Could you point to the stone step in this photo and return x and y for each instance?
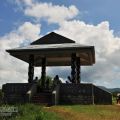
(42, 98)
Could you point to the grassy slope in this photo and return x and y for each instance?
(75, 112)
(34, 112)
(88, 112)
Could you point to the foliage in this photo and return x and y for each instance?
(114, 97)
(50, 80)
(47, 78)
(115, 93)
(34, 112)
(69, 112)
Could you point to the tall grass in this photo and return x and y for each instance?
(91, 112)
(33, 112)
(69, 112)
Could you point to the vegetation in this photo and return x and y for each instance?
(33, 112)
(48, 78)
(88, 112)
(73, 112)
(67, 112)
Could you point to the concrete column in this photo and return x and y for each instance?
(78, 70)
(31, 69)
(73, 67)
(43, 72)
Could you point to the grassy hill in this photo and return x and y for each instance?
(73, 112)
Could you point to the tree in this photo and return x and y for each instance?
(48, 78)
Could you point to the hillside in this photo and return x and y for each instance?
(110, 89)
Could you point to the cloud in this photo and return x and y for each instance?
(107, 48)
(12, 69)
(26, 31)
(48, 11)
(29, 30)
(100, 35)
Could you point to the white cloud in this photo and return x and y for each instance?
(48, 11)
(107, 48)
(53, 13)
(100, 35)
(12, 69)
(29, 30)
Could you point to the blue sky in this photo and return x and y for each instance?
(91, 22)
(92, 12)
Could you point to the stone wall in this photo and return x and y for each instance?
(66, 94)
(76, 94)
(102, 96)
(16, 92)
(83, 94)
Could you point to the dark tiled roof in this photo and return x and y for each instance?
(52, 38)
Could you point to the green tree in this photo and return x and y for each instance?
(47, 78)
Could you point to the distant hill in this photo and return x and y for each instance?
(114, 89)
(110, 89)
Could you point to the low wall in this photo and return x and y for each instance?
(83, 94)
(16, 92)
(76, 94)
(102, 96)
(63, 94)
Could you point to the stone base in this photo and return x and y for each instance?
(83, 94)
(16, 92)
(62, 94)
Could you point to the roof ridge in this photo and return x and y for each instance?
(52, 38)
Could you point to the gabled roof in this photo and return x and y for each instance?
(52, 38)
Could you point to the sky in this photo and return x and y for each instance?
(89, 22)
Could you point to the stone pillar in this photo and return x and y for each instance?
(78, 76)
(31, 69)
(73, 68)
(43, 72)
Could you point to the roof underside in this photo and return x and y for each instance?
(56, 54)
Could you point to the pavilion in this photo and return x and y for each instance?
(56, 50)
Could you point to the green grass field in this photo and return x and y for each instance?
(74, 112)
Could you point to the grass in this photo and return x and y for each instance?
(68, 112)
(88, 112)
(34, 112)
